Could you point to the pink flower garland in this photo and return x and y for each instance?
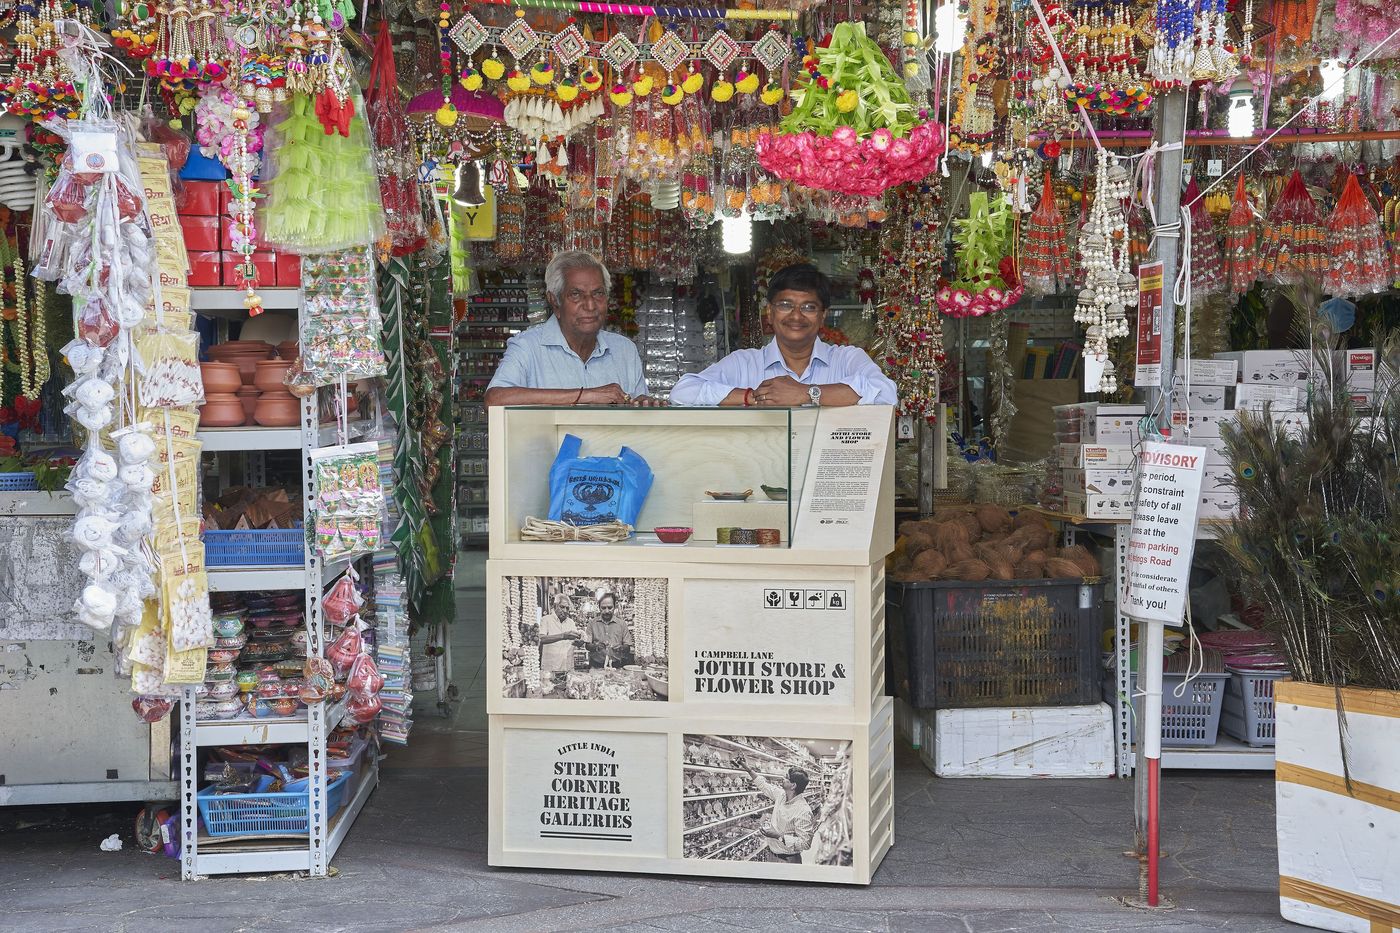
(845, 163)
(959, 302)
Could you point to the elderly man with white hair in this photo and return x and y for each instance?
(570, 359)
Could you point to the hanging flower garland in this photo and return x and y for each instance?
(854, 129)
(1357, 260)
(987, 277)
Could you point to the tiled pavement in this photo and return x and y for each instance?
(969, 856)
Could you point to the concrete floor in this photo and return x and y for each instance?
(969, 856)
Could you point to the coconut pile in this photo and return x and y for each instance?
(985, 542)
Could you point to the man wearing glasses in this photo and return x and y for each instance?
(797, 367)
(570, 359)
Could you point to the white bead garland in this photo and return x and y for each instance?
(1109, 286)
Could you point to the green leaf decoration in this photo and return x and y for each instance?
(852, 62)
(983, 239)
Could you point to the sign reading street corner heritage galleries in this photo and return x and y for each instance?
(761, 642)
(586, 792)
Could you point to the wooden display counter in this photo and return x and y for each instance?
(699, 709)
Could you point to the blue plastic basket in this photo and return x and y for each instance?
(18, 482)
(269, 547)
(277, 814)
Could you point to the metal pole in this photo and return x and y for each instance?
(1169, 129)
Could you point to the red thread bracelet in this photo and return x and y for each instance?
(748, 393)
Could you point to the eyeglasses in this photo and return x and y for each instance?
(578, 296)
(785, 306)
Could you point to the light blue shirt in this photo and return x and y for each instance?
(745, 369)
(540, 358)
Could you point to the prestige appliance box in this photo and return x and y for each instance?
(1271, 367)
(1275, 398)
(1097, 456)
(1216, 372)
(1111, 424)
(1098, 505)
(1105, 482)
(1206, 397)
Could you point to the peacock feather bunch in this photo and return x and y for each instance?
(1317, 542)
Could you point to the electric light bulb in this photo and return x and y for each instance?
(736, 234)
(1241, 117)
(948, 29)
(1333, 78)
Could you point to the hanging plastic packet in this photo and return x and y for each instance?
(342, 331)
(592, 490)
(349, 501)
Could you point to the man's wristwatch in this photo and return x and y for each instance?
(815, 394)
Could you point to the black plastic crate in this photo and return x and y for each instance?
(955, 645)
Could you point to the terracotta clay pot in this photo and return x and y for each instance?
(221, 410)
(268, 377)
(288, 349)
(259, 348)
(220, 378)
(275, 411)
(248, 395)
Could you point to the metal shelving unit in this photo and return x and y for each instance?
(202, 855)
(508, 308)
(1227, 753)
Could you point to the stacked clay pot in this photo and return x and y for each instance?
(276, 407)
(221, 407)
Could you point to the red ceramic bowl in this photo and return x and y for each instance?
(673, 534)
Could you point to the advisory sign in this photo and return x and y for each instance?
(1163, 534)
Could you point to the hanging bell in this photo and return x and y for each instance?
(467, 191)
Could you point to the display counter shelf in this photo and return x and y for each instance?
(228, 302)
(776, 653)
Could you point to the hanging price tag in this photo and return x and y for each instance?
(1215, 167)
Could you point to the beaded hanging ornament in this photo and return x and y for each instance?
(1294, 238)
(1358, 262)
(1106, 61)
(909, 326)
(1207, 267)
(1045, 258)
(1109, 286)
(1242, 263)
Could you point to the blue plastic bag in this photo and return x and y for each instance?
(591, 490)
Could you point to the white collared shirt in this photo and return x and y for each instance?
(745, 369)
(540, 358)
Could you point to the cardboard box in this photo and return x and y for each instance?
(1111, 424)
(1271, 367)
(1098, 505)
(1097, 456)
(1042, 741)
(288, 269)
(1276, 398)
(201, 233)
(1216, 372)
(1195, 426)
(205, 269)
(1218, 477)
(1211, 398)
(200, 198)
(1217, 505)
(1100, 482)
(232, 269)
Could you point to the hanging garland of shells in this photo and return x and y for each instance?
(1109, 285)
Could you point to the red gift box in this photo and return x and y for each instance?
(204, 270)
(288, 270)
(201, 233)
(264, 261)
(201, 198)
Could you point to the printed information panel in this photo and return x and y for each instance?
(841, 488)
(585, 792)
(766, 641)
(1163, 535)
